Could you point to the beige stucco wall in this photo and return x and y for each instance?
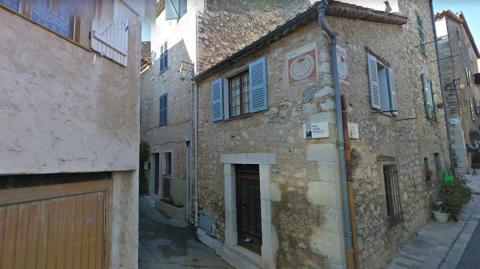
(66, 109)
(306, 212)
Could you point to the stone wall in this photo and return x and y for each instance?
(306, 214)
(219, 26)
(408, 137)
(305, 190)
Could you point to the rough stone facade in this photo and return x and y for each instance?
(457, 54)
(304, 184)
(66, 109)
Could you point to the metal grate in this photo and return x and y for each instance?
(392, 191)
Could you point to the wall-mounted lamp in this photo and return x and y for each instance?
(185, 70)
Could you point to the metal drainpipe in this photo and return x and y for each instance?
(195, 92)
(321, 8)
(442, 90)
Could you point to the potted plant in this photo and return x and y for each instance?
(454, 195)
(441, 213)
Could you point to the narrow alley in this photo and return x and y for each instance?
(170, 244)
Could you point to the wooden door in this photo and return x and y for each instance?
(55, 227)
(249, 218)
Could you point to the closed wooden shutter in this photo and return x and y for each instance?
(393, 91)
(217, 100)
(421, 35)
(258, 85)
(163, 109)
(433, 109)
(172, 9)
(426, 97)
(373, 82)
(110, 37)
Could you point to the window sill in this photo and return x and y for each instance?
(162, 125)
(163, 71)
(244, 116)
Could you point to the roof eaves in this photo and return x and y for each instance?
(336, 9)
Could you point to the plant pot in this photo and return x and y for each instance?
(441, 217)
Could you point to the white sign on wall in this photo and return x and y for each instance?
(342, 65)
(315, 130)
(353, 132)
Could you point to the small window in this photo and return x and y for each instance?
(167, 176)
(163, 58)
(459, 40)
(392, 194)
(468, 76)
(421, 35)
(238, 94)
(163, 109)
(427, 171)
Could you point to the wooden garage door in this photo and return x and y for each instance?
(54, 227)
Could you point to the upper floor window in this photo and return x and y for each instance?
(238, 93)
(459, 39)
(175, 9)
(468, 76)
(421, 35)
(163, 57)
(163, 109)
(428, 172)
(428, 97)
(383, 95)
(243, 93)
(57, 16)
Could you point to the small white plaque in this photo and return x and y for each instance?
(316, 130)
(453, 121)
(353, 132)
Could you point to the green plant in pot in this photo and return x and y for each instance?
(454, 195)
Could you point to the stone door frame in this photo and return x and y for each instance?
(269, 245)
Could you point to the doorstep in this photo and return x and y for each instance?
(438, 245)
(171, 210)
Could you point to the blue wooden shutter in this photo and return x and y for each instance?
(217, 99)
(373, 82)
(163, 109)
(393, 91)
(258, 88)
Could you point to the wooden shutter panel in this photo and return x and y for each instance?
(171, 9)
(110, 37)
(258, 95)
(163, 109)
(373, 82)
(217, 99)
(421, 35)
(426, 98)
(433, 109)
(393, 91)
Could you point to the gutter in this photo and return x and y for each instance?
(442, 89)
(349, 250)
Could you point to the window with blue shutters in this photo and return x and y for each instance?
(217, 99)
(175, 9)
(163, 109)
(258, 85)
(427, 97)
(381, 82)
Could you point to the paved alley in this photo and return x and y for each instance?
(446, 246)
(169, 244)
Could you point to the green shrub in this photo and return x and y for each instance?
(455, 195)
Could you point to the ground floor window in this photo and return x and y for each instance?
(392, 194)
(249, 219)
(167, 175)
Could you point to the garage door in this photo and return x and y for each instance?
(55, 227)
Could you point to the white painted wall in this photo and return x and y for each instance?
(173, 31)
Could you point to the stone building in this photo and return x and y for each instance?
(458, 57)
(69, 140)
(191, 36)
(271, 189)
